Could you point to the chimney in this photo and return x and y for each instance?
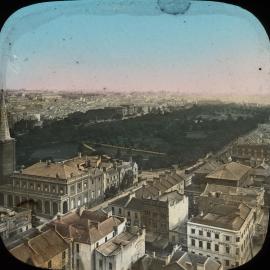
(201, 213)
(59, 217)
(154, 254)
(79, 154)
(81, 209)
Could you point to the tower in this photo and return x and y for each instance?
(7, 145)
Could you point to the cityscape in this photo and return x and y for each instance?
(134, 135)
(100, 208)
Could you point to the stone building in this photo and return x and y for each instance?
(165, 182)
(253, 148)
(86, 230)
(46, 250)
(14, 221)
(224, 233)
(7, 145)
(252, 196)
(159, 216)
(122, 251)
(118, 171)
(54, 187)
(230, 174)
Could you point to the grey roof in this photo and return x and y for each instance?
(226, 216)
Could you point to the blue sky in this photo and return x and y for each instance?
(213, 48)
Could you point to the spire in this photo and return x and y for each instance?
(4, 128)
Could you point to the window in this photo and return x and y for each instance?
(110, 266)
(216, 235)
(64, 255)
(208, 234)
(200, 232)
(193, 242)
(128, 213)
(77, 247)
(136, 215)
(227, 238)
(200, 244)
(237, 251)
(78, 263)
(105, 239)
(112, 210)
(120, 211)
(193, 231)
(100, 264)
(97, 244)
(237, 239)
(49, 264)
(227, 262)
(228, 250)
(208, 245)
(216, 247)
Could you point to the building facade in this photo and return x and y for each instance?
(121, 252)
(14, 221)
(223, 233)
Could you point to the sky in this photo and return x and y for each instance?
(213, 48)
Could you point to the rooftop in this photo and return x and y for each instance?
(115, 245)
(231, 171)
(41, 248)
(86, 226)
(225, 216)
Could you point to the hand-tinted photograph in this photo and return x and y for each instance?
(134, 135)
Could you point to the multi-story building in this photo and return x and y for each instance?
(224, 233)
(159, 216)
(117, 172)
(54, 187)
(165, 182)
(14, 221)
(86, 230)
(46, 250)
(252, 196)
(253, 148)
(122, 251)
(230, 174)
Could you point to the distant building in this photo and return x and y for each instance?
(87, 230)
(230, 174)
(224, 233)
(122, 251)
(254, 147)
(14, 221)
(47, 250)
